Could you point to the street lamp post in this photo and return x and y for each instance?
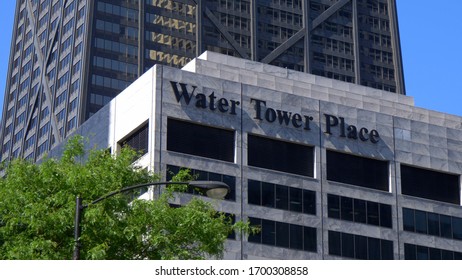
(212, 189)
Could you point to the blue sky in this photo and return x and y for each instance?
(431, 42)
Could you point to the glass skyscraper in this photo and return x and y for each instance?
(71, 57)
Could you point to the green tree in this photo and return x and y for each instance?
(37, 207)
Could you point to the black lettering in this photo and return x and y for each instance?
(258, 107)
(223, 105)
(307, 122)
(212, 101)
(352, 132)
(374, 136)
(331, 121)
(270, 115)
(284, 116)
(234, 103)
(342, 127)
(364, 134)
(184, 92)
(297, 120)
(201, 101)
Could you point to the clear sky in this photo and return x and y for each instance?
(431, 42)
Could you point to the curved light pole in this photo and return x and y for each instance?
(212, 189)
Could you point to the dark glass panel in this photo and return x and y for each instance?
(201, 175)
(139, 140)
(296, 237)
(268, 195)
(348, 249)
(447, 255)
(360, 215)
(420, 222)
(355, 170)
(410, 252)
(309, 239)
(457, 256)
(256, 237)
(360, 247)
(430, 184)
(215, 177)
(457, 228)
(335, 247)
(295, 200)
(386, 247)
(280, 155)
(309, 202)
(231, 182)
(254, 195)
(385, 215)
(433, 224)
(268, 232)
(333, 206)
(445, 226)
(422, 253)
(282, 197)
(172, 171)
(408, 219)
(200, 140)
(373, 248)
(373, 213)
(346, 205)
(282, 237)
(435, 254)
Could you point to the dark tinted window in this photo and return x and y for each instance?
(138, 140)
(432, 223)
(335, 243)
(346, 208)
(200, 140)
(408, 219)
(281, 197)
(284, 235)
(359, 211)
(420, 221)
(445, 226)
(333, 206)
(280, 155)
(206, 176)
(457, 228)
(359, 247)
(355, 170)
(429, 184)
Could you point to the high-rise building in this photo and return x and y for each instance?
(71, 57)
(327, 169)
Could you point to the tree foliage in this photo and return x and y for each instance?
(37, 208)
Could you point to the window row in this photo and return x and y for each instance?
(279, 155)
(432, 224)
(281, 197)
(138, 140)
(359, 247)
(128, 50)
(130, 14)
(416, 252)
(115, 65)
(359, 211)
(201, 175)
(109, 82)
(284, 235)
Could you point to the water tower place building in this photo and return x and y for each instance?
(328, 169)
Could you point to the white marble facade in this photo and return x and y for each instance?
(407, 134)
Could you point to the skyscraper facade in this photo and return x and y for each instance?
(71, 57)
